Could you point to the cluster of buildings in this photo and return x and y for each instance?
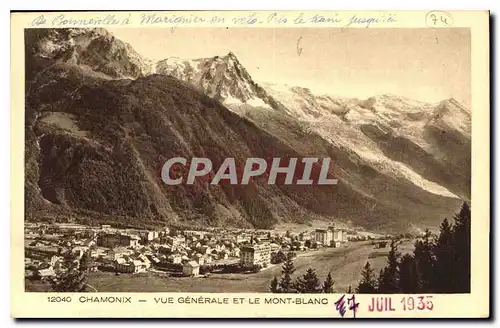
(56, 247)
(260, 254)
(330, 237)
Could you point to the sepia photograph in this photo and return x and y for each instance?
(257, 160)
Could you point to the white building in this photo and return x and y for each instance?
(235, 252)
(340, 235)
(176, 258)
(255, 255)
(323, 236)
(127, 265)
(199, 258)
(149, 236)
(191, 269)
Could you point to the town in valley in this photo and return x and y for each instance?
(53, 248)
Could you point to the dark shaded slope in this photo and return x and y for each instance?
(109, 162)
(95, 147)
(364, 195)
(132, 127)
(451, 173)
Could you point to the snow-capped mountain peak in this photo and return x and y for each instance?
(220, 77)
(95, 49)
(450, 114)
(398, 160)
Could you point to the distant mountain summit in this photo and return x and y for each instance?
(423, 144)
(222, 78)
(96, 50)
(101, 120)
(428, 144)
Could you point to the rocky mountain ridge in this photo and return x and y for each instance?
(101, 120)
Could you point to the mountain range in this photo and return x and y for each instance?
(101, 120)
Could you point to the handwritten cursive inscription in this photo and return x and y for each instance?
(40, 20)
(250, 19)
(438, 18)
(343, 304)
(331, 19)
(274, 18)
(154, 19)
(177, 19)
(367, 21)
(62, 20)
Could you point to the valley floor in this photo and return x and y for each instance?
(345, 265)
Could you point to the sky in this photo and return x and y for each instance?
(423, 64)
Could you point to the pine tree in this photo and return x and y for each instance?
(274, 285)
(368, 283)
(86, 262)
(424, 258)
(408, 275)
(286, 283)
(389, 279)
(308, 283)
(462, 249)
(328, 284)
(444, 259)
(71, 281)
(380, 275)
(278, 257)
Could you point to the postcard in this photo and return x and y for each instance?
(237, 164)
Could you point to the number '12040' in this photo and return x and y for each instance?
(421, 303)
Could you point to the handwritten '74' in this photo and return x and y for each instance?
(342, 307)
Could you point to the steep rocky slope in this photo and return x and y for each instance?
(95, 147)
(222, 78)
(99, 128)
(426, 144)
(95, 50)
